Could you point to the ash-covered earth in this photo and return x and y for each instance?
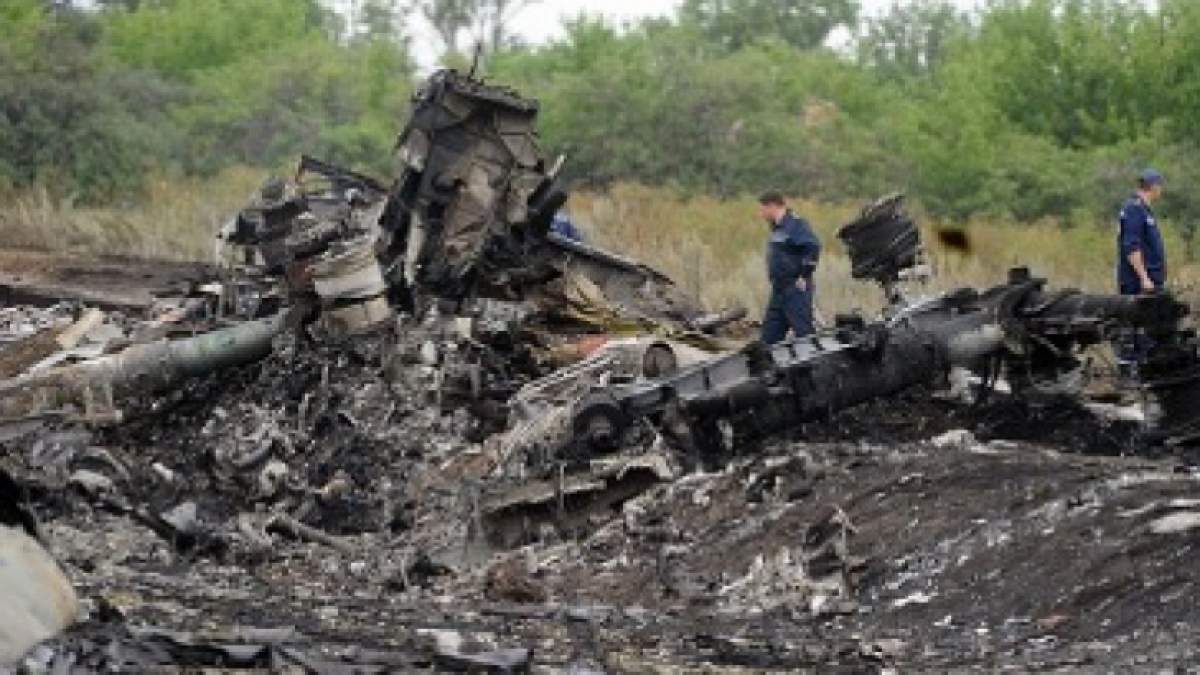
(315, 512)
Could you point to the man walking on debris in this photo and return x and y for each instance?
(1141, 256)
(1141, 263)
(792, 254)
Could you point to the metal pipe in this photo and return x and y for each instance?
(153, 366)
(164, 363)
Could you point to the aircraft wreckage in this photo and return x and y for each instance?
(1018, 330)
(587, 377)
(464, 231)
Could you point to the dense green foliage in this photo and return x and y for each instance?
(734, 24)
(1025, 109)
(91, 100)
(1028, 109)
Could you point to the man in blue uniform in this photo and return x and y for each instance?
(562, 226)
(1141, 260)
(792, 254)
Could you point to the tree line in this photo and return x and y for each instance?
(1023, 108)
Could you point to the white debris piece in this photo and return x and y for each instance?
(1176, 522)
(917, 598)
(955, 438)
(36, 599)
(1116, 413)
(271, 478)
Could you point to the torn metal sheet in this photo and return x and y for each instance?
(29, 352)
(473, 185)
(570, 503)
(110, 283)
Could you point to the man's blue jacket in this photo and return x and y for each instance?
(792, 251)
(1139, 232)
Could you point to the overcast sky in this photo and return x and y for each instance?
(543, 21)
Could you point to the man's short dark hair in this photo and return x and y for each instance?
(774, 197)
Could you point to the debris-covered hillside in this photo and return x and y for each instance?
(307, 510)
(412, 427)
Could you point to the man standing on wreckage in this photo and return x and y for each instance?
(792, 254)
(1141, 259)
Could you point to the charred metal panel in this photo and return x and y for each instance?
(474, 188)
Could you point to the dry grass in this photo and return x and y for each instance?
(173, 219)
(715, 248)
(712, 247)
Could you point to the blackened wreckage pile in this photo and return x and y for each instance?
(409, 427)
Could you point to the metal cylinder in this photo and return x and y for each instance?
(968, 347)
(352, 274)
(152, 366)
(351, 287)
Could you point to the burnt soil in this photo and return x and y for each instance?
(1036, 542)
